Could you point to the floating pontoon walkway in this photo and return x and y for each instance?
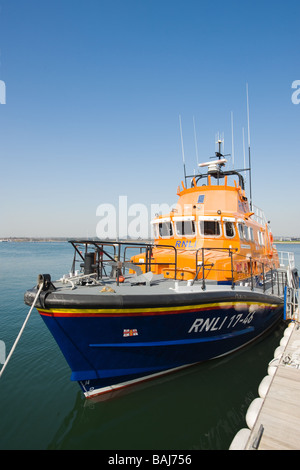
(277, 424)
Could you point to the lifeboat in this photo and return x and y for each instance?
(208, 284)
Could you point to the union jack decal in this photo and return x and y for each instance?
(131, 332)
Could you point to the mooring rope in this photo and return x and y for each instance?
(21, 330)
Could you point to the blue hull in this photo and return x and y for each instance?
(110, 350)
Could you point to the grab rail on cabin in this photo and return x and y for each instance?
(273, 280)
(148, 261)
(203, 265)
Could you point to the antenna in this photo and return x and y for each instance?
(232, 141)
(196, 145)
(182, 149)
(244, 148)
(249, 147)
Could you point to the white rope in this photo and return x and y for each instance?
(21, 331)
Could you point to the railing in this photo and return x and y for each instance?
(272, 280)
(97, 260)
(114, 254)
(286, 259)
(291, 304)
(259, 215)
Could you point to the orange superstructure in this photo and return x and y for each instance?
(212, 233)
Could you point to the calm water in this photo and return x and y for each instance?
(40, 408)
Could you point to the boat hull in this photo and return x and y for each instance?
(109, 348)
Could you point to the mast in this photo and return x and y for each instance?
(244, 153)
(232, 140)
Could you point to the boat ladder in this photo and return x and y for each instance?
(291, 304)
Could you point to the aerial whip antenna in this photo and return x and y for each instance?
(196, 145)
(182, 149)
(249, 147)
(244, 148)
(232, 141)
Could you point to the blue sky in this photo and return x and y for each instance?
(94, 91)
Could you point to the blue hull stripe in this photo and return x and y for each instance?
(174, 342)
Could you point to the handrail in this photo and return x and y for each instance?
(291, 303)
(99, 246)
(266, 278)
(211, 264)
(286, 259)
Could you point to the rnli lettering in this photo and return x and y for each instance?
(186, 244)
(216, 323)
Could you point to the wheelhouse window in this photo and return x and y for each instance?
(185, 226)
(210, 227)
(261, 238)
(241, 231)
(229, 227)
(165, 229)
(162, 228)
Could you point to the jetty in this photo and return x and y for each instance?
(279, 418)
(273, 419)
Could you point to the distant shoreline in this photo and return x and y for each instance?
(64, 239)
(34, 240)
(287, 242)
